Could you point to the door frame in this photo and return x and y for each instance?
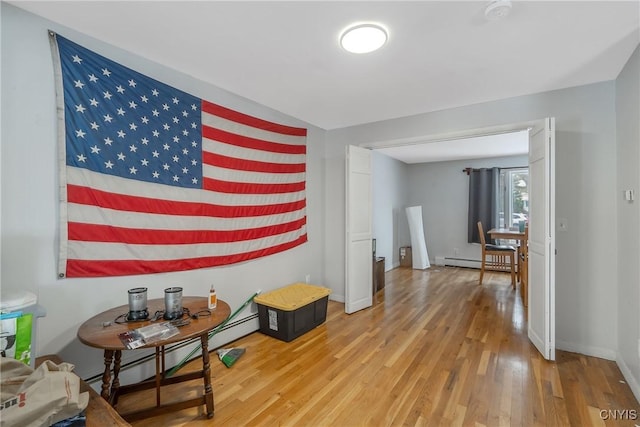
(460, 134)
(533, 126)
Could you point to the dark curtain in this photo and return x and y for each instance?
(483, 201)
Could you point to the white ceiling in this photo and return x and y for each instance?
(486, 146)
(440, 54)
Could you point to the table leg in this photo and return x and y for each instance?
(115, 384)
(158, 375)
(206, 370)
(519, 261)
(106, 375)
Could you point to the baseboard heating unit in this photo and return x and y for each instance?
(458, 262)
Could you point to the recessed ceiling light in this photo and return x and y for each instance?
(363, 38)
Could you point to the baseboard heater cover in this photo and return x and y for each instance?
(462, 262)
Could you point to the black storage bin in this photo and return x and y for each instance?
(289, 312)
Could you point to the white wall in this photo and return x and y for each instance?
(628, 136)
(442, 189)
(1, 90)
(586, 295)
(30, 200)
(587, 189)
(390, 194)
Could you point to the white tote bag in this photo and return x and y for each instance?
(39, 397)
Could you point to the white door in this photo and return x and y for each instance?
(359, 251)
(542, 325)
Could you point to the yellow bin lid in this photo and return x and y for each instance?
(293, 296)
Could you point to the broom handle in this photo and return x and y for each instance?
(211, 334)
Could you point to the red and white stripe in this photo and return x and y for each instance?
(253, 204)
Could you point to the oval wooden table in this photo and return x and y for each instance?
(102, 331)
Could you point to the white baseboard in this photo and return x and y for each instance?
(634, 383)
(603, 353)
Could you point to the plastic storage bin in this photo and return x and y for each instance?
(14, 303)
(289, 312)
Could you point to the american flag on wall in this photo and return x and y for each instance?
(154, 179)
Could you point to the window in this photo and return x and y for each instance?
(498, 197)
(513, 197)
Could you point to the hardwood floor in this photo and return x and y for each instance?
(435, 349)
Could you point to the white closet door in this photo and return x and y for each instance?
(359, 255)
(542, 289)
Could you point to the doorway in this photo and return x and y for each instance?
(543, 314)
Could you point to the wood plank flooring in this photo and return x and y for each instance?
(435, 349)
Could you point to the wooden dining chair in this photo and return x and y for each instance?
(497, 255)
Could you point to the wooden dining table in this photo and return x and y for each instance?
(507, 233)
(521, 237)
